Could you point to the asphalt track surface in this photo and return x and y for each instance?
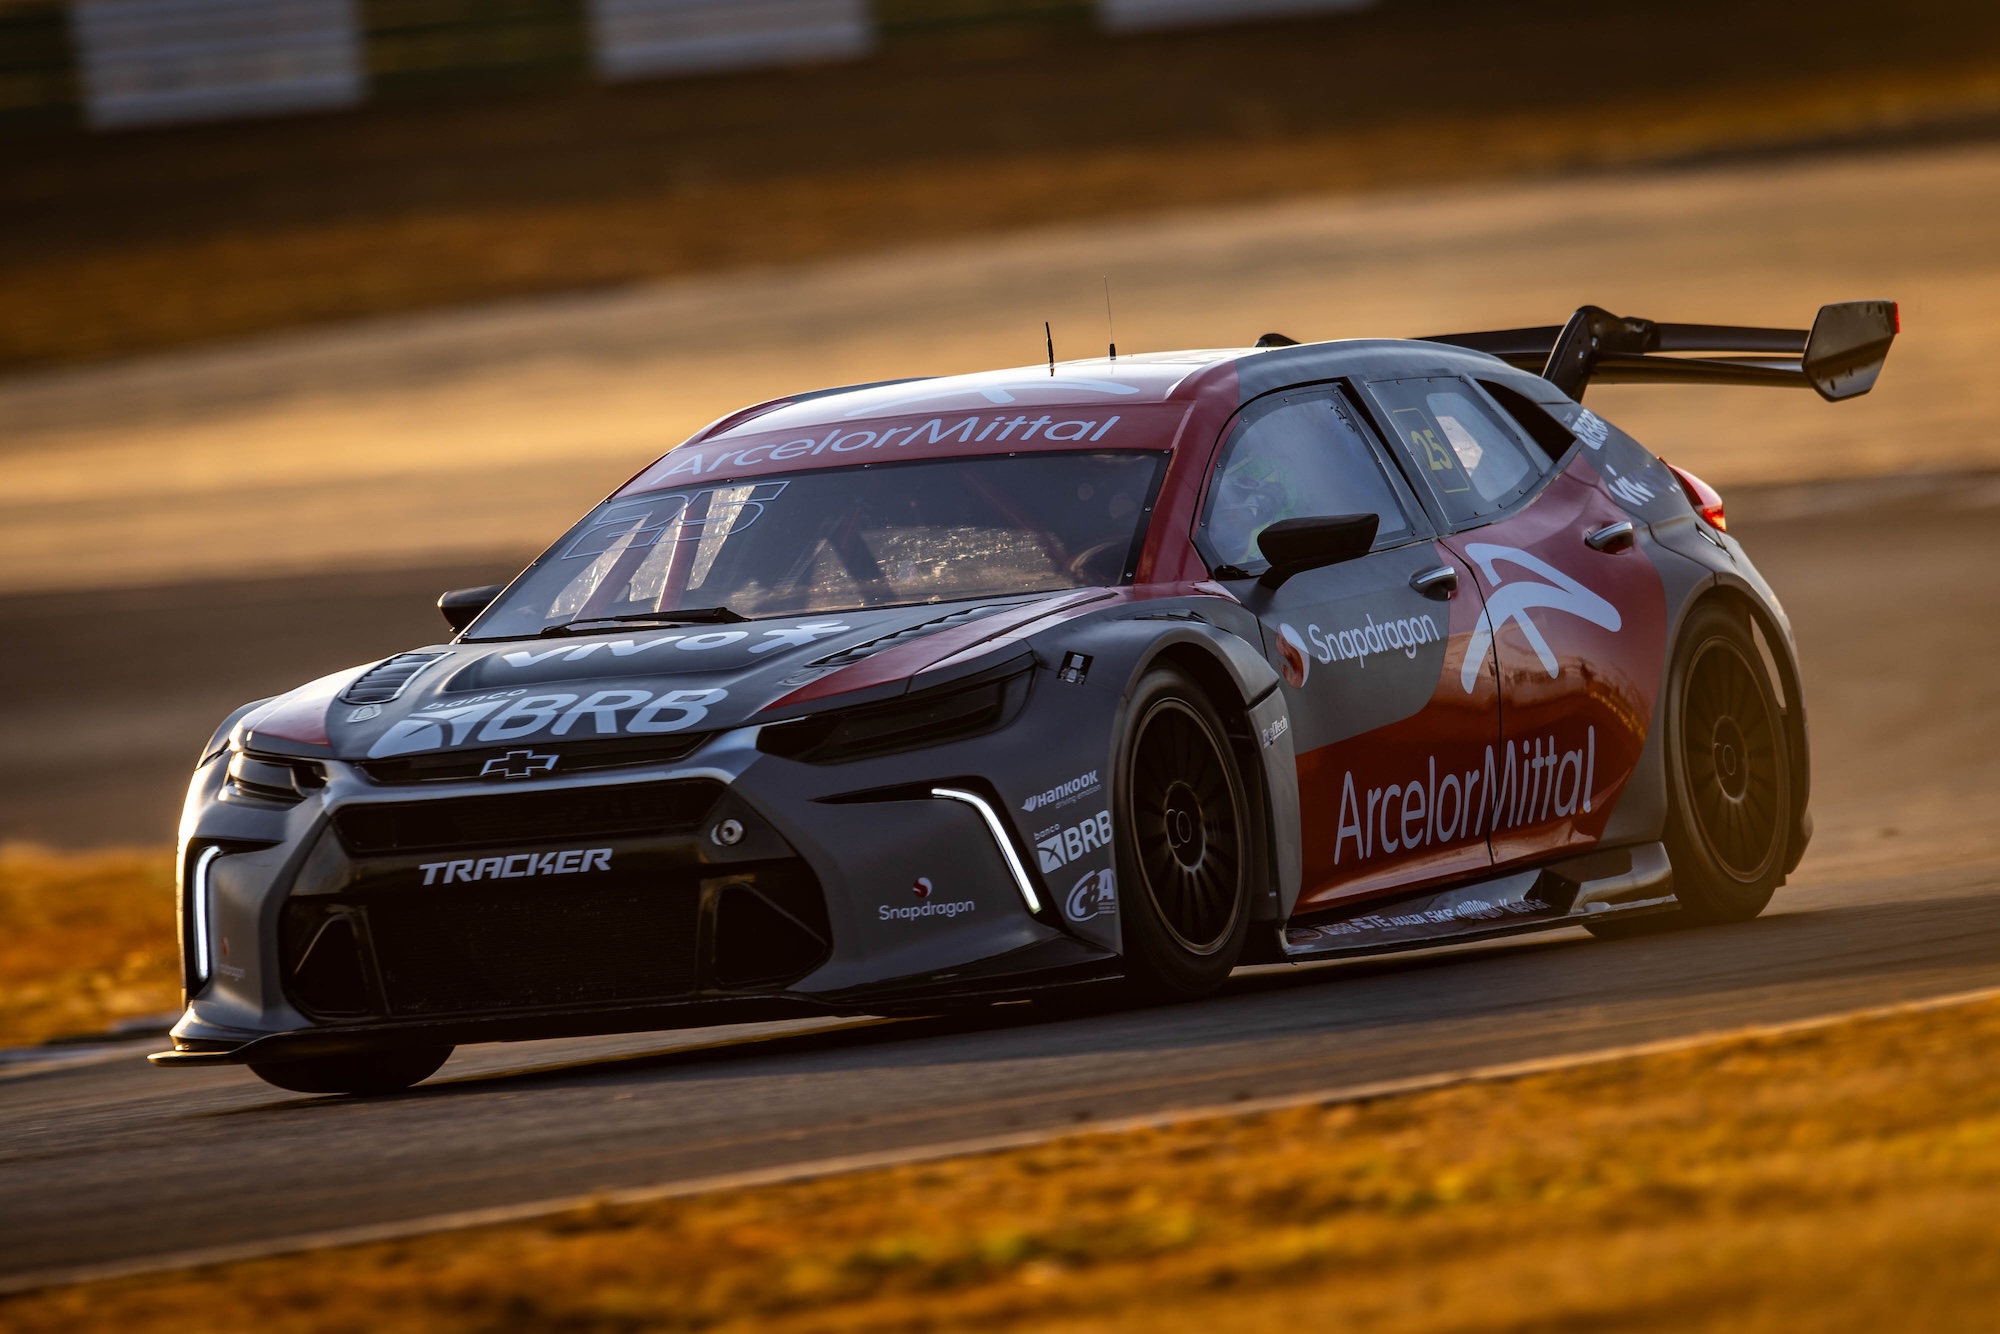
(106, 1160)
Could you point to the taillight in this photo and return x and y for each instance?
(1706, 500)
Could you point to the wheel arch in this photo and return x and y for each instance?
(1642, 809)
(1243, 687)
(1774, 639)
(1697, 573)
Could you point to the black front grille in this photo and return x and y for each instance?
(645, 930)
(488, 948)
(513, 819)
(493, 762)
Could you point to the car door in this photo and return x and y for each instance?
(1576, 625)
(1369, 650)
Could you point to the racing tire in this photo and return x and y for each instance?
(365, 1072)
(1183, 842)
(1729, 779)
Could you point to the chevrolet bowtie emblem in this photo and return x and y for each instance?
(518, 764)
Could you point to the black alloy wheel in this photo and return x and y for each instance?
(1729, 779)
(1730, 748)
(1183, 841)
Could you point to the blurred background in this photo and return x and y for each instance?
(310, 309)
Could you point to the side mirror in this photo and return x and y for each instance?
(1294, 546)
(461, 606)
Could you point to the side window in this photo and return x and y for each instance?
(1471, 463)
(1294, 456)
(1551, 436)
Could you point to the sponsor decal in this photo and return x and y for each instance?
(970, 430)
(518, 764)
(1075, 667)
(1062, 794)
(930, 908)
(786, 637)
(1059, 847)
(1512, 601)
(574, 861)
(1096, 895)
(1277, 728)
(1472, 910)
(364, 713)
(1630, 490)
(1515, 788)
(1355, 644)
(1590, 428)
(516, 715)
(1292, 655)
(921, 887)
(717, 512)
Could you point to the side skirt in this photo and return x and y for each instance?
(1625, 881)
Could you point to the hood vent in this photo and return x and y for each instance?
(900, 637)
(385, 680)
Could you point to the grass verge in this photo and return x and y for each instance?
(86, 939)
(1842, 1178)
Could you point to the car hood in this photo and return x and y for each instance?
(637, 684)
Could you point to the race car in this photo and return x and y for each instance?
(937, 692)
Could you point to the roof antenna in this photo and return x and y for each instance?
(1110, 328)
(1050, 335)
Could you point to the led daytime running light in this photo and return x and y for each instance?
(999, 832)
(197, 898)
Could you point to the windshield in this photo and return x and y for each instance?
(842, 539)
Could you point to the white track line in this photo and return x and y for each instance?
(860, 1162)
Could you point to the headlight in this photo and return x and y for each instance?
(931, 718)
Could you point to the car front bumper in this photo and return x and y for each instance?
(750, 888)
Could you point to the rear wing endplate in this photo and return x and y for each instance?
(1840, 356)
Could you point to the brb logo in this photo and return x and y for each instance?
(1512, 601)
(436, 726)
(1057, 848)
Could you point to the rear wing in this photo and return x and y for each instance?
(1840, 356)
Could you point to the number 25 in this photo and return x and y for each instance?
(1434, 451)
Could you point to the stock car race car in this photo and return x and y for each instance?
(932, 692)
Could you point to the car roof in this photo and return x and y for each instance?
(1142, 397)
(1092, 383)
(1147, 377)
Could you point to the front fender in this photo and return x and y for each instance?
(1244, 687)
